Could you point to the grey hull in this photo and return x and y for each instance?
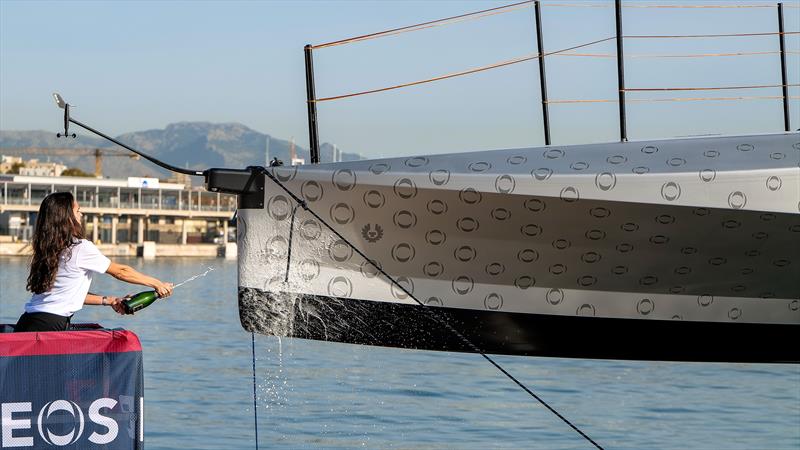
(701, 230)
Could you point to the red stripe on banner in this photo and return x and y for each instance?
(68, 342)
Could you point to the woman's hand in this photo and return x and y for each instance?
(163, 289)
(117, 304)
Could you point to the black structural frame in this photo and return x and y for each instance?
(623, 128)
(542, 76)
(785, 87)
(311, 99)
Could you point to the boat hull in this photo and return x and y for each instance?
(366, 322)
(680, 245)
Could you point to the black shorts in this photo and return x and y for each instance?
(42, 321)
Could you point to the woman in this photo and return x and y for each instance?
(62, 267)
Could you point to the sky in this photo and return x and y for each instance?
(136, 65)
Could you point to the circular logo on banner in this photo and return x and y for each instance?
(44, 420)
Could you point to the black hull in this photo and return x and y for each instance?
(415, 327)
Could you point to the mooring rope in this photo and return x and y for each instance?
(432, 313)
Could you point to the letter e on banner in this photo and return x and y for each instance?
(9, 424)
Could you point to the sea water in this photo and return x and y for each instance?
(199, 385)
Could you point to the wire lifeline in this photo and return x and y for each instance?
(504, 9)
(531, 57)
(425, 308)
(633, 5)
(687, 55)
(425, 25)
(720, 88)
(255, 402)
(691, 36)
(464, 72)
(677, 99)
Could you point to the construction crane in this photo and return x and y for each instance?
(98, 154)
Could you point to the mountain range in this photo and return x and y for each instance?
(195, 145)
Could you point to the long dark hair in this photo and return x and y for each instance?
(55, 233)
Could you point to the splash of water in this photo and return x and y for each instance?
(193, 278)
(276, 381)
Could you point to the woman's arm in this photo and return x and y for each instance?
(129, 275)
(114, 302)
(94, 299)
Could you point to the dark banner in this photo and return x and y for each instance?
(72, 389)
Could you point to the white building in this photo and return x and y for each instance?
(34, 168)
(133, 209)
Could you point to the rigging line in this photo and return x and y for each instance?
(464, 72)
(291, 235)
(678, 36)
(433, 314)
(677, 99)
(722, 88)
(430, 24)
(255, 403)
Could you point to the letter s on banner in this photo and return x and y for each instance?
(105, 421)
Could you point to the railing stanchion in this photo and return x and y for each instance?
(786, 122)
(623, 131)
(313, 130)
(542, 76)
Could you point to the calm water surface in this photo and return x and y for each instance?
(199, 386)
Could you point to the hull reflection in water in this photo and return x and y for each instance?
(673, 250)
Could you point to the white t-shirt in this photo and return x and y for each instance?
(72, 281)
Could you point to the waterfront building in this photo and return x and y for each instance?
(120, 211)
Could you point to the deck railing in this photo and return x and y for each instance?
(619, 37)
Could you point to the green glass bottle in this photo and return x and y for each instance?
(140, 301)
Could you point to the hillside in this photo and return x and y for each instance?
(196, 145)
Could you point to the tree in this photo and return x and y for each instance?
(74, 172)
(15, 168)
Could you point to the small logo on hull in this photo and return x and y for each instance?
(372, 233)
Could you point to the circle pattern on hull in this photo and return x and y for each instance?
(579, 226)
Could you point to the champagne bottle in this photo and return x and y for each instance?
(140, 301)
